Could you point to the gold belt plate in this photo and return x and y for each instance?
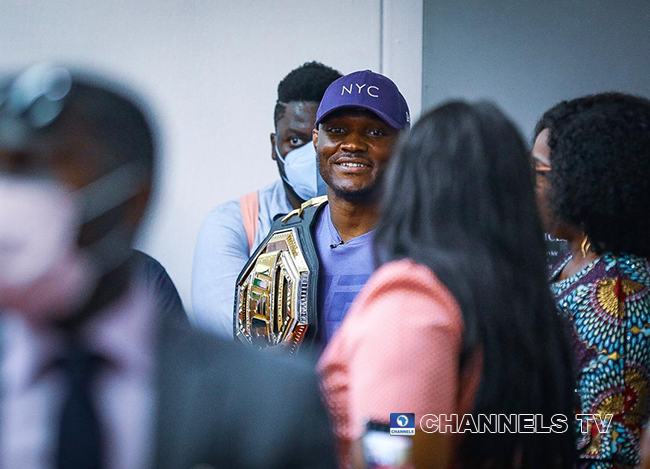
(271, 308)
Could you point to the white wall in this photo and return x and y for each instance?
(401, 48)
(210, 69)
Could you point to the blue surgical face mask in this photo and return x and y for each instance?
(301, 171)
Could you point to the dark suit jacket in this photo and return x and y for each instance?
(222, 405)
(160, 284)
(225, 406)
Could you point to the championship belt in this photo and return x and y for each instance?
(276, 292)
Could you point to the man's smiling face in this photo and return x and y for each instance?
(354, 147)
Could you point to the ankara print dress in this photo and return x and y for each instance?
(608, 305)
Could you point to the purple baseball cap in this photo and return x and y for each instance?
(366, 90)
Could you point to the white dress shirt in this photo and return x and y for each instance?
(32, 390)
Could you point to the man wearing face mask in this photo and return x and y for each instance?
(233, 230)
(299, 284)
(93, 376)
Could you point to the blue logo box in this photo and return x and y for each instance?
(402, 423)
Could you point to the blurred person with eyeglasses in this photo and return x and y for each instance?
(92, 375)
(592, 163)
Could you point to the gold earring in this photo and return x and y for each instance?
(585, 246)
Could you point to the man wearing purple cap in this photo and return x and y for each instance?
(357, 126)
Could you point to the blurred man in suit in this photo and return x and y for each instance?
(92, 376)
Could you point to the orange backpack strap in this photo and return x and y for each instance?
(250, 210)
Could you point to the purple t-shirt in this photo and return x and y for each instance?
(344, 270)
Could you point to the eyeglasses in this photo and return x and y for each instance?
(32, 101)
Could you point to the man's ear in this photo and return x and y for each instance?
(314, 137)
(273, 155)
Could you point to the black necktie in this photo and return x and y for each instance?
(80, 440)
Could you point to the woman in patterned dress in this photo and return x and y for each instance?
(592, 161)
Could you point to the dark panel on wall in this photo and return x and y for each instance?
(529, 54)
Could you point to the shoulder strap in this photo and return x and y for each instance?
(250, 210)
(306, 206)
